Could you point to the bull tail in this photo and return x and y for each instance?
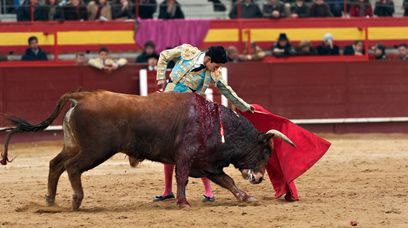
(21, 125)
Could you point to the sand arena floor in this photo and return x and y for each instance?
(362, 178)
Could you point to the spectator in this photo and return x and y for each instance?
(218, 6)
(258, 52)
(149, 50)
(103, 62)
(282, 47)
(122, 10)
(147, 8)
(336, 7)
(3, 58)
(379, 52)
(170, 9)
(299, 9)
(405, 8)
(24, 12)
(33, 52)
(305, 48)
(403, 52)
(384, 8)
(320, 9)
(328, 47)
(361, 8)
(80, 58)
(234, 56)
(74, 11)
(248, 9)
(99, 10)
(273, 9)
(9, 6)
(356, 49)
(51, 10)
(152, 63)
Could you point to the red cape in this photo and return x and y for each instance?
(288, 163)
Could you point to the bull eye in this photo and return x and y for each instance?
(267, 151)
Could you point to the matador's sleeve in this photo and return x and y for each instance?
(229, 93)
(165, 57)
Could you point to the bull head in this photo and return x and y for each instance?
(260, 155)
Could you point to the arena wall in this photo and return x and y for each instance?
(301, 91)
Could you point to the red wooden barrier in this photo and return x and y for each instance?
(325, 89)
(32, 93)
(313, 90)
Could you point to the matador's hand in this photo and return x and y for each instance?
(161, 84)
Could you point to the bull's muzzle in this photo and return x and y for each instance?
(251, 176)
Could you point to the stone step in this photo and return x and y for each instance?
(8, 17)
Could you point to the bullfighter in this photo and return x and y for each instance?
(193, 72)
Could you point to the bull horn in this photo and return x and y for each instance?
(280, 135)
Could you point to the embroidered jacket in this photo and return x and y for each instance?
(182, 79)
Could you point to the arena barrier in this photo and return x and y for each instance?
(322, 96)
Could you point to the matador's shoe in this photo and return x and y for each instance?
(207, 199)
(162, 198)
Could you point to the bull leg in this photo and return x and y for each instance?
(227, 182)
(55, 171)
(182, 171)
(82, 162)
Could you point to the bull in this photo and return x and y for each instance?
(175, 128)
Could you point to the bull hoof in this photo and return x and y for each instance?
(243, 197)
(75, 206)
(76, 202)
(50, 201)
(183, 204)
(249, 199)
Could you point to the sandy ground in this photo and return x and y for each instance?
(362, 178)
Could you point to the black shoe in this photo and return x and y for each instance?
(162, 198)
(208, 199)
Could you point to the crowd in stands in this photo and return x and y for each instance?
(317, 8)
(282, 48)
(48, 10)
(104, 10)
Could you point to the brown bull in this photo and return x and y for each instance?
(176, 128)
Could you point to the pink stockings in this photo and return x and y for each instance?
(168, 177)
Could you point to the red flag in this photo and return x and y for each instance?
(288, 163)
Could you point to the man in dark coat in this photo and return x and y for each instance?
(74, 11)
(282, 47)
(356, 49)
(147, 8)
(24, 12)
(328, 47)
(384, 8)
(273, 9)
(148, 52)
(170, 9)
(320, 9)
(403, 52)
(248, 9)
(34, 53)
